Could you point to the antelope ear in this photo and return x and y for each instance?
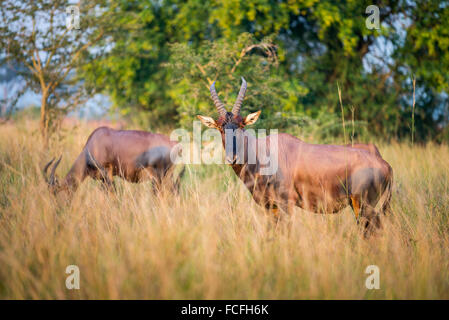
(251, 118)
(208, 122)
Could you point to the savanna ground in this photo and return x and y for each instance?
(213, 241)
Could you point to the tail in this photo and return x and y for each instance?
(175, 153)
(177, 181)
(387, 194)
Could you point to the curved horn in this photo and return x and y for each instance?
(220, 106)
(240, 97)
(53, 170)
(44, 171)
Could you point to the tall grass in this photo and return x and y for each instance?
(212, 241)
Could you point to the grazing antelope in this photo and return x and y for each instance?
(317, 178)
(132, 155)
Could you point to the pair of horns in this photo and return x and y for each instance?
(238, 103)
(52, 179)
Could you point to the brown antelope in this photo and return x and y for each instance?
(317, 178)
(132, 155)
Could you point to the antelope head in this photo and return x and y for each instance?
(230, 124)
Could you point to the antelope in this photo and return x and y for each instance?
(133, 155)
(315, 177)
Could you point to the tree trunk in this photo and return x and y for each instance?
(43, 121)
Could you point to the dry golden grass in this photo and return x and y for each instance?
(213, 241)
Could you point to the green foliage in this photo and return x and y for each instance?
(34, 36)
(426, 46)
(194, 70)
(131, 67)
(150, 61)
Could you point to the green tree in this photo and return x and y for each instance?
(318, 43)
(34, 34)
(133, 69)
(194, 70)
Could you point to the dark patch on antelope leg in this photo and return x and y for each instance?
(154, 157)
(107, 179)
(371, 220)
(157, 161)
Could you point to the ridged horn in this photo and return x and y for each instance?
(44, 171)
(220, 106)
(240, 97)
(53, 170)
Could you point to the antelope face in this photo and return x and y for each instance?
(230, 124)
